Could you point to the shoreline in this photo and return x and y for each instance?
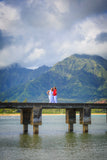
(50, 114)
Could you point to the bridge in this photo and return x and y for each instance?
(31, 113)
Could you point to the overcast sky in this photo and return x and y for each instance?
(43, 32)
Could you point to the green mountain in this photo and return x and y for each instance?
(15, 75)
(78, 78)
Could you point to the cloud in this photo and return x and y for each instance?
(60, 13)
(5, 40)
(35, 55)
(82, 40)
(101, 38)
(88, 8)
(8, 16)
(43, 32)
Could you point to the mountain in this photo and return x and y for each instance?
(15, 75)
(78, 78)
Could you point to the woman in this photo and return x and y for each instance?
(50, 95)
(55, 94)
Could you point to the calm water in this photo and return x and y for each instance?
(53, 142)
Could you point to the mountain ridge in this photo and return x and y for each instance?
(14, 75)
(78, 78)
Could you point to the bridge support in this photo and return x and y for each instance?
(70, 127)
(25, 119)
(25, 128)
(36, 119)
(85, 128)
(85, 118)
(70, 118)
(33, 117)
(35, 129)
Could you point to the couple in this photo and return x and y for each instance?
(52, 94)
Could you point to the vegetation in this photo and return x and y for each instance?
(53, 111)
(9, 111)
(47, 111)
(78, 78)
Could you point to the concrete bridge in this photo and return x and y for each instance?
(31, 113)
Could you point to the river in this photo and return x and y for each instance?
(53, 142)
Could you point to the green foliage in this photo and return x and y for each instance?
(14, 76)
(53, 111)
(6, 101)
(47, 111)
(98, 111)
(8, 111)
(25, 100)
(78, 78)
(15, 101)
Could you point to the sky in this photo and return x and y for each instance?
(43, 32)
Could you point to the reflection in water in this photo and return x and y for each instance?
(71, 140)
(87, 146)
(53, 141)
(30, 141)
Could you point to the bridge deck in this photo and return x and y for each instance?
(53, 105)
(31, 113)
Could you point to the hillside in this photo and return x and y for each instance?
(78, 78)
(15, 75)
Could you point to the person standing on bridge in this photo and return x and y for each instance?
(50, 95)
(55, 94)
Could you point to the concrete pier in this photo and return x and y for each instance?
(35, 129)
(85, 117)
(85, 128)
(31, 116)
(25, 119)
(25, 128)
(31, 113)
(70, 127)
(70, 118)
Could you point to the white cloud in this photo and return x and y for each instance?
(62, 6)
(8, 16)
(46, 31)
(10, 55)
(35, 55)
(88, 30)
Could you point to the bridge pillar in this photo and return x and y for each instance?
(85, 117)
(25, 119)
(36, 119)
(33, 117)
(25, 128)
(70, 118)
(85, 128)
(81, 116)
(35, 129)
(70, 127)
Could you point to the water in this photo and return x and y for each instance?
(53, 142)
